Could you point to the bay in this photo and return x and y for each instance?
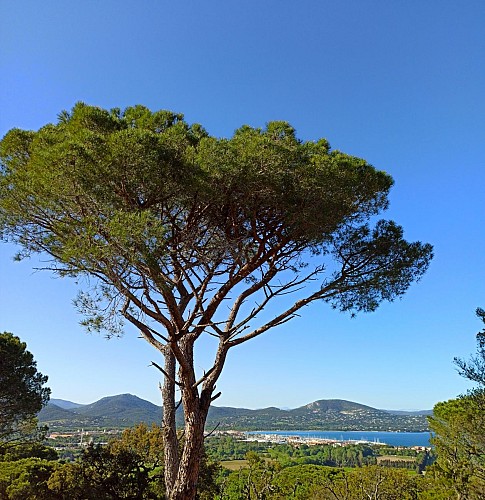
(390, 438)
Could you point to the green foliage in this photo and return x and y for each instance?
(22, 394)
(333, 456)
(106, 473)
(29, 449)
(128, 467)
(227, 448)
(26, 479)
(257, 481)
(323, 472)
(378, 482)
(68, 482)
(459, 427)
(265, 480)
(131, 467)
(207, 486)
(146, 442)
(474, 369)
(104, 192)
(303, 482)
(353, 455)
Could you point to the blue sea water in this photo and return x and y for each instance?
(391, 438)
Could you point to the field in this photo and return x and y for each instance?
(234, 464)
(237, 464)
(395, 458)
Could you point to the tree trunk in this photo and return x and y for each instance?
(171, 450)
(181, 481)
(185, 487)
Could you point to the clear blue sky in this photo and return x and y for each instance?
(401, 84)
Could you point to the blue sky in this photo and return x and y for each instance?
(400, 84)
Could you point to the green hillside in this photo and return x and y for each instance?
(126, 410)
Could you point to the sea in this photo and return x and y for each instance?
(390, 438)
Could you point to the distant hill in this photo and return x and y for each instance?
(67, 405)
(335, 405)
(126, 410)
(406, 412)
(327, 414)
(55, 416)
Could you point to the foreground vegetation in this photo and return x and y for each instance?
(131, 467)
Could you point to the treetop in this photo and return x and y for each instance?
(144, 201)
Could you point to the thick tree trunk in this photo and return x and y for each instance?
(196, 408)
(171, 449)
(185, 487)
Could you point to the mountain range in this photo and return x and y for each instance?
(126, 410)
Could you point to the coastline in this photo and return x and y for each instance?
(342, 438)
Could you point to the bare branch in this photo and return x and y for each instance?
(165, 373)
(203, 378)
(288, 314)
(212, 431)
(144, 329)
(213, 398)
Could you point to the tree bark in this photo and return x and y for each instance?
(171, 449)
(196, 408)
(185, 487)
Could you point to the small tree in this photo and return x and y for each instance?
(185, 235)
(474, 368)
(126, 467)
(459, 428)
(456, 427)
(22, 391)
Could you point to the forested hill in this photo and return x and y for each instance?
(332, 414)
